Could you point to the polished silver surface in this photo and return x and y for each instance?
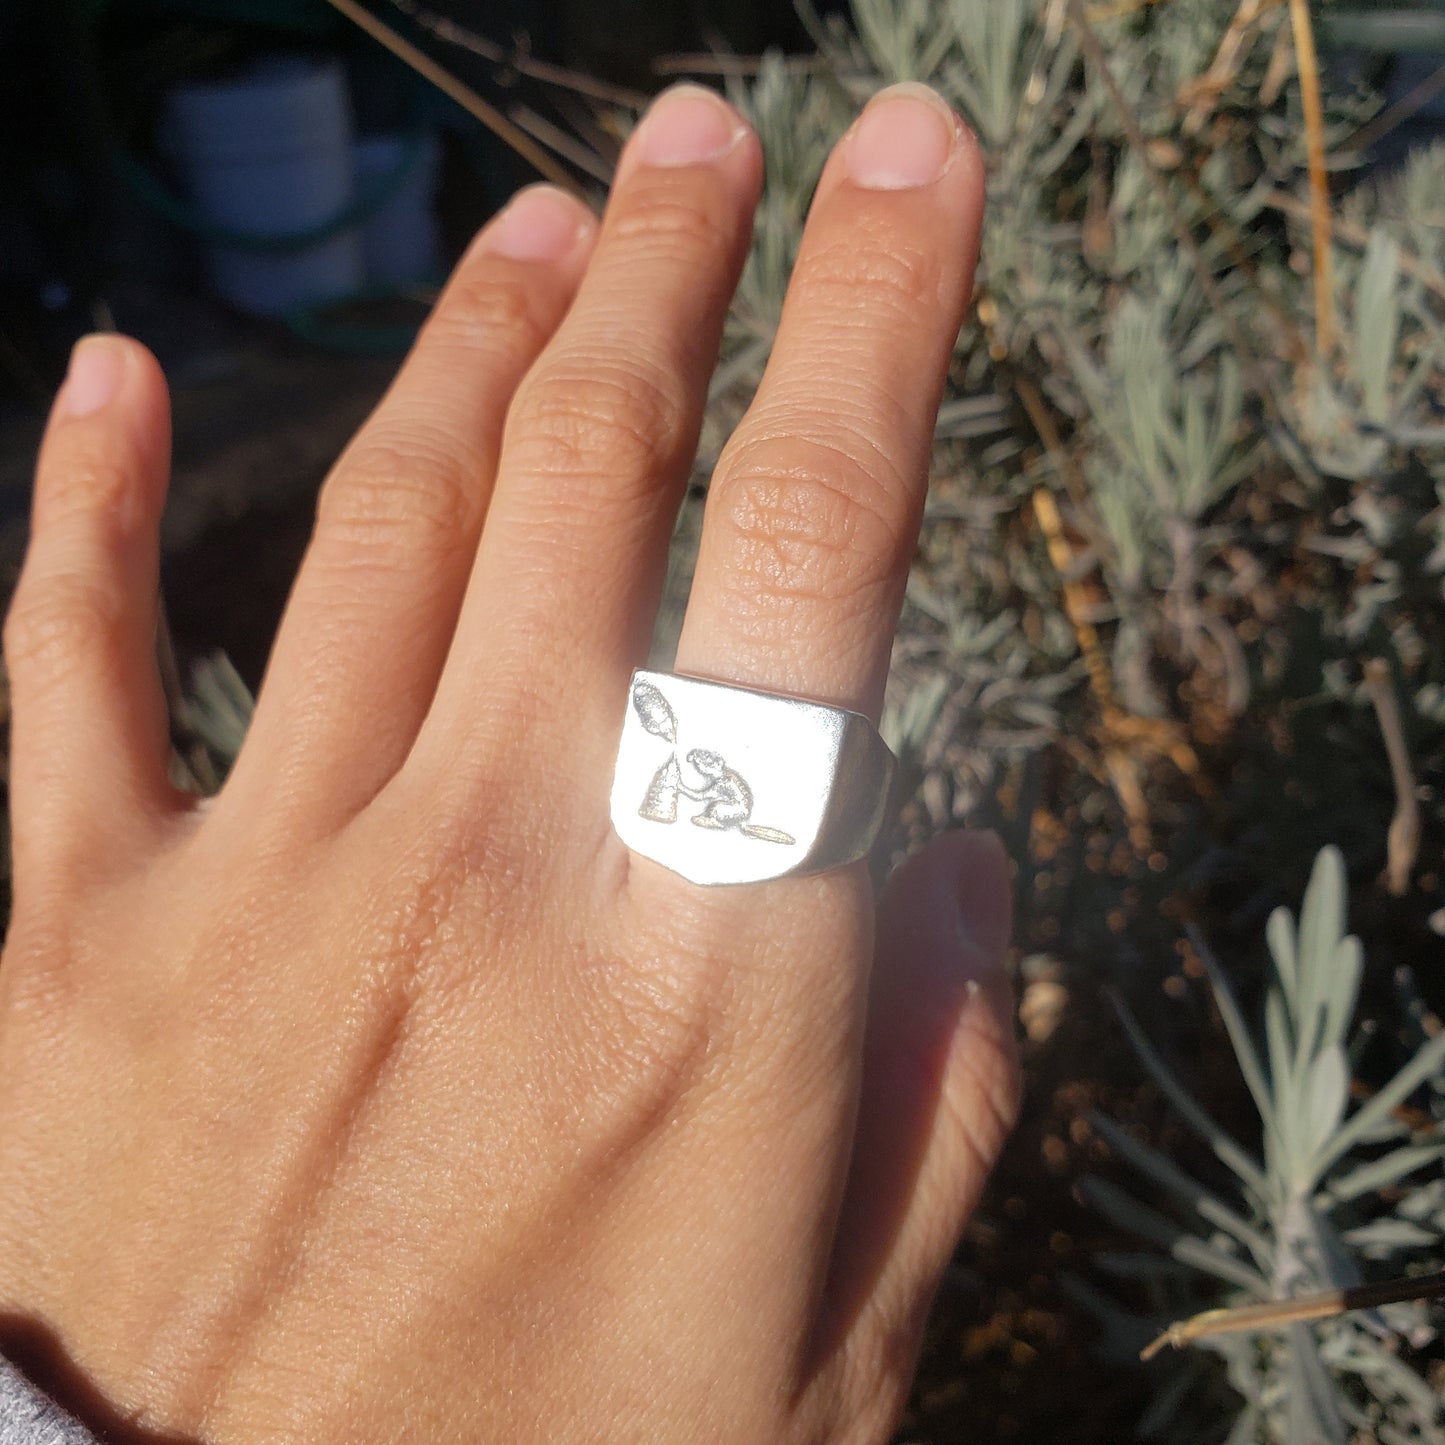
(727, 784)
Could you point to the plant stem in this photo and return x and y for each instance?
(1324, 1305)
(518, 59)
(464, 95)
(1403, 839)
(1259, 379)
(1309, 80)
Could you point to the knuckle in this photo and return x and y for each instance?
(90, 485)
(655, 1030)
(488, 310)
(62, 945)
(670, 223)
(866, 274)
(828, 525)
(389, 501)
(881, 1359)
(671, 1018)
(459, 862)
(409, 926)
(54, 624)
(624, 420)
(40, 967)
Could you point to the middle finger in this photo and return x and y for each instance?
(599, 441)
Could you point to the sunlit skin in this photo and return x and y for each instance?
(386, 1096)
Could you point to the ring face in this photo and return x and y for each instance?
(730, 785)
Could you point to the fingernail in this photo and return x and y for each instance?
(688, 125)
(538, 224)
(904, 138)
(97, 366)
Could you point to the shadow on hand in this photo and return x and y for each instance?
(35, 1350)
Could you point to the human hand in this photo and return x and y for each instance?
(386, 1096)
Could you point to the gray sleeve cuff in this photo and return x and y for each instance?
(28, 1417)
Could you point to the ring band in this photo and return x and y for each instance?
(726, 784)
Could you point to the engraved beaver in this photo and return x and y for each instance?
(727, 798)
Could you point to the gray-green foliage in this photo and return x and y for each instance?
(1170, 424)
(1312, 1205)
(209, 724)
(1394, 348)
(1252, 508)
(1202, 440)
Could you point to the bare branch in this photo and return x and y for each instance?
(1403, 840)
(1324, 1305)
(1309, 78)
(464, 95)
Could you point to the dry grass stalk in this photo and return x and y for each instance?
(587, 160)
(1202, 94)
(1403, 840)
(1309, 75)
(1411, 103)
(1127, 740)
(1359, 238)
(1244, 352)
(1324, 1305)
(1118, 9)
(700, 63)
(517, 59)
(464, 95)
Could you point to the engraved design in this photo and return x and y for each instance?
(727, 799)
(656, 715)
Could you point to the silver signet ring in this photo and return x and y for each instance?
(728, 784)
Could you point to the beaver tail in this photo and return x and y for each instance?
(766, 835)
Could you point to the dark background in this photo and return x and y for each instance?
(261, 406)
(81, 83)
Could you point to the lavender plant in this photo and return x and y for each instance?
(1173, 507)
(1311, 1210)
(1148, 355)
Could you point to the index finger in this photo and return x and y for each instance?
(815, 505)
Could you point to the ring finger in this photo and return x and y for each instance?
(811, 522)
(815, 505)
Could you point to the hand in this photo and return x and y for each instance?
(386, 1096)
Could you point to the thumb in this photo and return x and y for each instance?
(940, 1089)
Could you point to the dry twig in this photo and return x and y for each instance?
(1258, 378)
(1359, 238)
(517, 58)
(1415, 99)
(1125, 739)
(701, 63)
(1201, 94)
(569, 147)
(1403, 840)
(1309, 79)
(1324, 1305)
(464, 95)
(1118, 9)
